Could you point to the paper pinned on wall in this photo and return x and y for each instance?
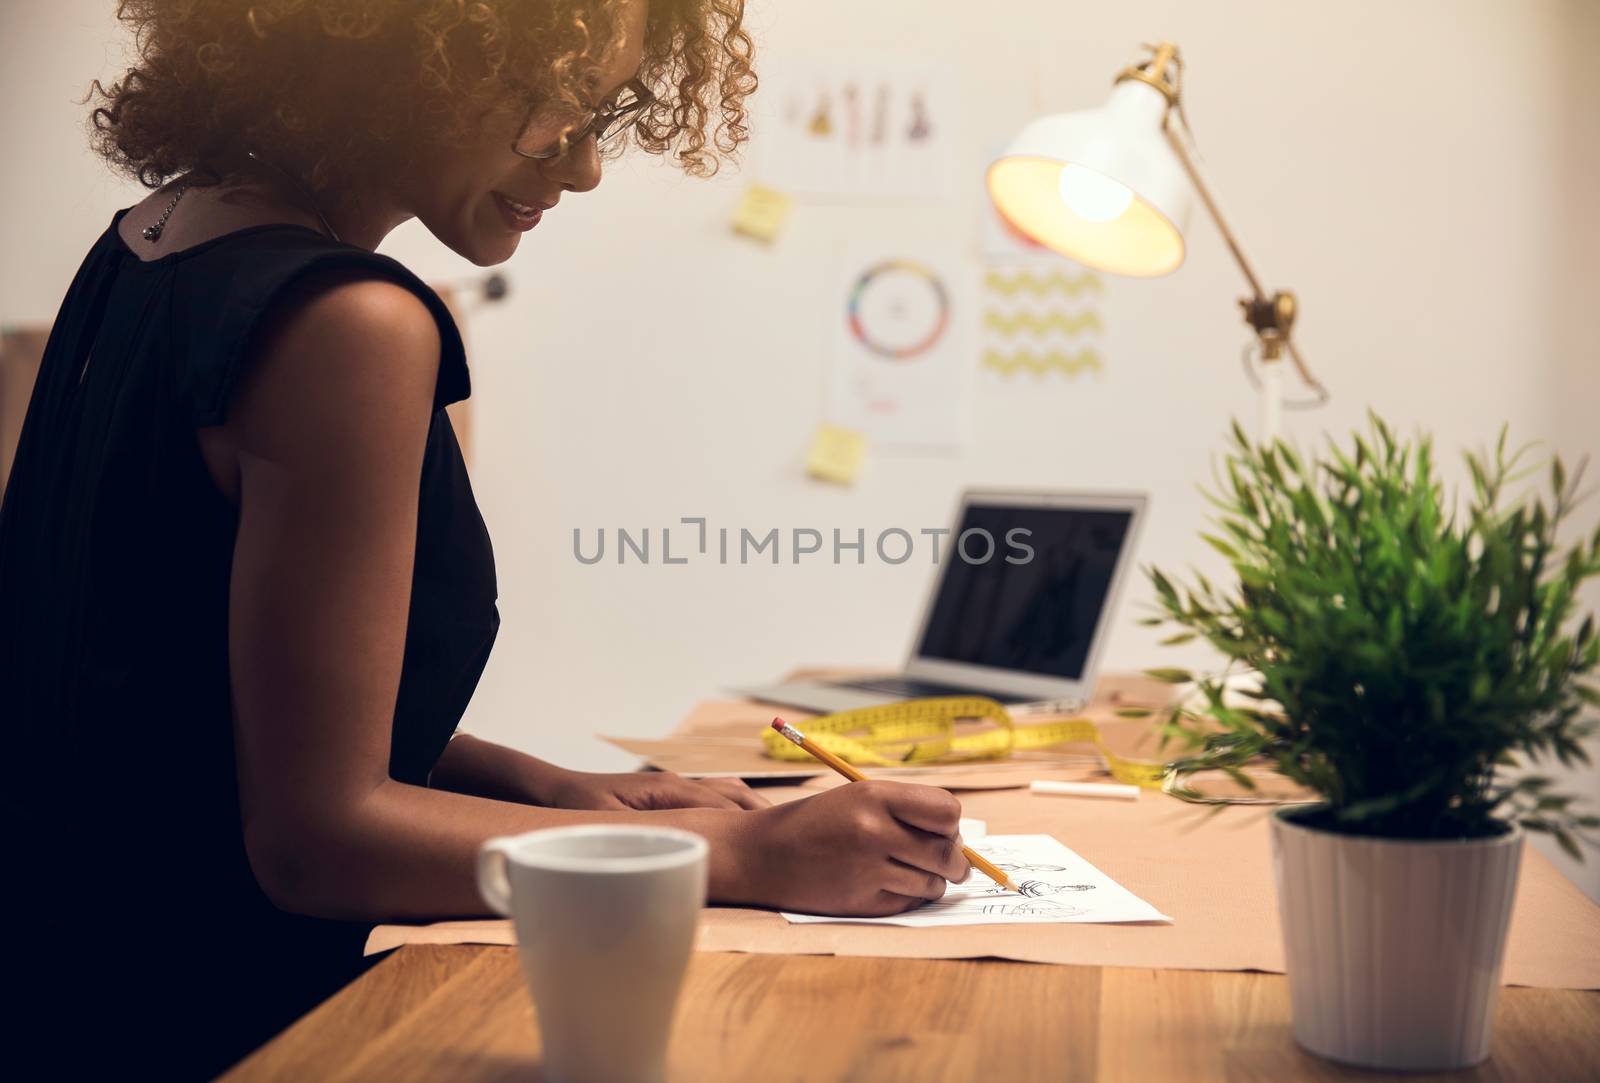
(901, 347)
(836, 454)
(761, 213)
(1041, 317)
(1057, 886)
(865, 127)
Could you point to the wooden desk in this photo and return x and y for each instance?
(463, 1014)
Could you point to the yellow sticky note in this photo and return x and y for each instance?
(836, 454)
(761, 213)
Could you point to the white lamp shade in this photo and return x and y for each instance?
(1101, 186)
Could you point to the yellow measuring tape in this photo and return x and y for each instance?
(923, 732)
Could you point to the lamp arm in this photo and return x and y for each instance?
(1187, 161)
(1305, 375)
(1271, 316)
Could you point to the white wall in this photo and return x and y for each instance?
(1575, 427)
(1421, 173)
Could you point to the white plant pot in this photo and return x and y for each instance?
(1393, 946)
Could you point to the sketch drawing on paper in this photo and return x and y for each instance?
(1058, 874)
(867, 127)
(920, 128)
(1005, 867)
(1033, 889)
(1039, 908)
(820, 126)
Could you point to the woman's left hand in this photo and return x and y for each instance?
(646, 791)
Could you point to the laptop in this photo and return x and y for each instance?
(1024, 625)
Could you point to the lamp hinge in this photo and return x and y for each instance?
(1272, 318)
(1160, 70)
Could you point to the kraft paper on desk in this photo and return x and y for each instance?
(741, 757)
(1211, 875)
(720, 738)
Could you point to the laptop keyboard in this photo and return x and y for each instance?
(912, 688)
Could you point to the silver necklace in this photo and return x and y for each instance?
(152, 233)
(310, 199)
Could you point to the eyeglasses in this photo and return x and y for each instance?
(605, 123)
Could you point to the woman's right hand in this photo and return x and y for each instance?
(865, 849)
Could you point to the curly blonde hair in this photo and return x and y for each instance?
(342, 90)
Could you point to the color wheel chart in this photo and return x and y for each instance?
(901, 346)
(898, 309)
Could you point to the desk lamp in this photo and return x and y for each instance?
(1113, 187)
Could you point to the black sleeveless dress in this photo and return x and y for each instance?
(133, 916)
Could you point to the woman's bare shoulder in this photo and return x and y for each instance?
(342, 341)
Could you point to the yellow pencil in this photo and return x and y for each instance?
(981, 863)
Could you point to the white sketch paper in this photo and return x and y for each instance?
(1057, 886)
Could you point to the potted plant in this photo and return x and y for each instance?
(1404, 650)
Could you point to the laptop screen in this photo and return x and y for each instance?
(1033, 603)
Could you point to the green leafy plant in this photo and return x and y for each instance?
(1405, 649)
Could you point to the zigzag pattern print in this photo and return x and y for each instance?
(1041, 323)
(1010, 285)
(1039, 318)
(1009, 363)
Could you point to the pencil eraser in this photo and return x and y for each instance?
(777, 724)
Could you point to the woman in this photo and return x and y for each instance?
(247, 592)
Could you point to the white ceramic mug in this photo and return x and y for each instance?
(605, 919)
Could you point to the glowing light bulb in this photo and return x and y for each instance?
(1093, 196)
